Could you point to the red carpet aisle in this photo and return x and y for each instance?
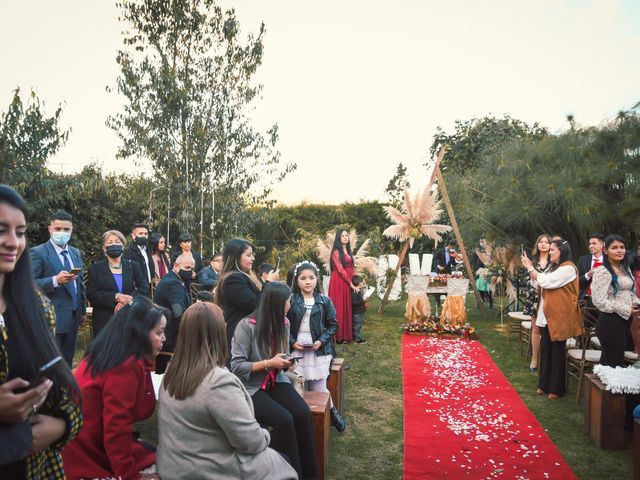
(462, 418)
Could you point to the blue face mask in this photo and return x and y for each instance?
(61, 238)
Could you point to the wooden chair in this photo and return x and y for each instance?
(581, 359)
(514, 324)
(525, 336)
(86, 329)
(193, 291)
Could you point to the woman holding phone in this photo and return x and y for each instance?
(37, 417)
(259, 354)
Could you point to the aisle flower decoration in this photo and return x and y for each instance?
(434, 326)
(502, 266)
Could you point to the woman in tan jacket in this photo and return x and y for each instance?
(558, 315)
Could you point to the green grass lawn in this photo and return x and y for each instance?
(372, 445)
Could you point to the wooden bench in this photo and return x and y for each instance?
(604, 415)
(319, 405)
(335, 383)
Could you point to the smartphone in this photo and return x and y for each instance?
(522, 250)
(308, 345)
(286, 356)
(75, 271)
(43, 373)
(277, 264)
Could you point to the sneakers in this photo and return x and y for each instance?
(337, 420)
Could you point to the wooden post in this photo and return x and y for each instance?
(403, 254)
(456, 231)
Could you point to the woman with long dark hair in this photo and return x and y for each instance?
(115, 378)
(159, 256)
(259, 354)
(540, 261)
(113, 282)
(206, 420)
(340, 284)
(36, 420)
(238, 289)
(558, 317)
(613, 294)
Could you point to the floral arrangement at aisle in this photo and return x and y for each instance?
(434, 326)
(502, 266)
(363, 263)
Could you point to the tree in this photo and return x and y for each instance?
(397, 184)
(187, 81)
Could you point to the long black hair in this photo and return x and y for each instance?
(125, 335)
(28, 326)
(337, 245)
(271, 334)
(565, 253)
(155, 240)
(624, 264)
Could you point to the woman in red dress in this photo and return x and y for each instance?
(340, 285)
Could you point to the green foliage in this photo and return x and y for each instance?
(397, 184)
(571, 184)
(187, 79)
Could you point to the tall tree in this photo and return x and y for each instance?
(187, 79)
(397, 184)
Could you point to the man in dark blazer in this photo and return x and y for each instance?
(445, 259)
(208, 276)
(139, 251)
(172, 293)
(57, 268)
(588, 263)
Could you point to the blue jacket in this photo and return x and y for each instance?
(323, 321)
(47, 264)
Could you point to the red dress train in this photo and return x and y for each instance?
(340, 295)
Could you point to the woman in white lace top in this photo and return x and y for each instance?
(613, 293)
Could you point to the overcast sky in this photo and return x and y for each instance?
(355, 86)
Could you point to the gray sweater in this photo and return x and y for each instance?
(213, 434)
(244, 353)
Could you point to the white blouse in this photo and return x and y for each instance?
(549, 281)
(602, 293)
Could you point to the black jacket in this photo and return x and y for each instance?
(197, 258)
(207, 277)
(172, 295)
(102, 289)
(439, 258)
(239, 297)
(357, 302)
(323, 321)
(132, 252)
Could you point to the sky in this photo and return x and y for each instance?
(355, 86)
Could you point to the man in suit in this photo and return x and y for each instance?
(588, 263)
(445, 258)
(57, 267)
(208, 276)
(172, 293)
(139, 252)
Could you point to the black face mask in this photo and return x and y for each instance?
(185, 275)
(113, 251)
(141, 241)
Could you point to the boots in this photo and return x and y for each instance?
(337, 420)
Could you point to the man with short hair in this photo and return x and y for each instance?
(208, 276)
(263, 272)
(57, 268)
(588, 263)
(172, 293)
(445, 258)
(138, 251)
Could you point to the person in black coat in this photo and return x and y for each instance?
(139, 252)
(238, 289)
(208, 276)
(445, 259)
(185, 249)
(113, 282)
(172, 293)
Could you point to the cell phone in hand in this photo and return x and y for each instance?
(307, 345)
(277, 264)
(75, 271)
(43, 374)
(286, 356)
